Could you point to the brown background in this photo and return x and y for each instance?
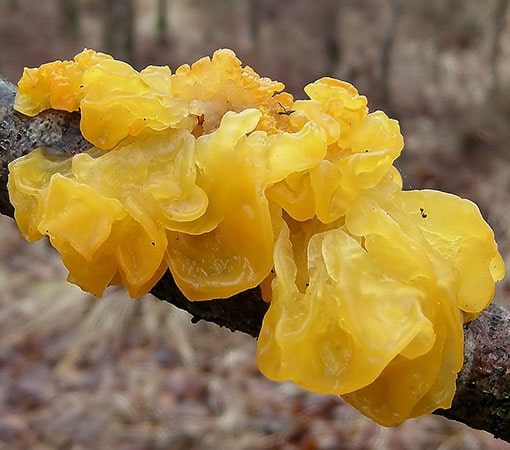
(76, 373)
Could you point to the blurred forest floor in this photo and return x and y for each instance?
(77, 373)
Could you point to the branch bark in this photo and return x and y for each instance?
(482, 399)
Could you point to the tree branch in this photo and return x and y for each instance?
(482, 399)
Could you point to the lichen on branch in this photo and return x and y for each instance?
(221, 177)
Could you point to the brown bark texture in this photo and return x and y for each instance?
(482, 399)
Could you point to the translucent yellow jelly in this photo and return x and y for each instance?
(379, 316)
(221, 177)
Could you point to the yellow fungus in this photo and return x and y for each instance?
(361, 151)
(221, 177)
(55, 85)
(381, 311)
(219, 84)
(229, 248)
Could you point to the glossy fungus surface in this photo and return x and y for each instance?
(218, 175)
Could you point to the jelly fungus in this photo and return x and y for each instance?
(221, 177)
